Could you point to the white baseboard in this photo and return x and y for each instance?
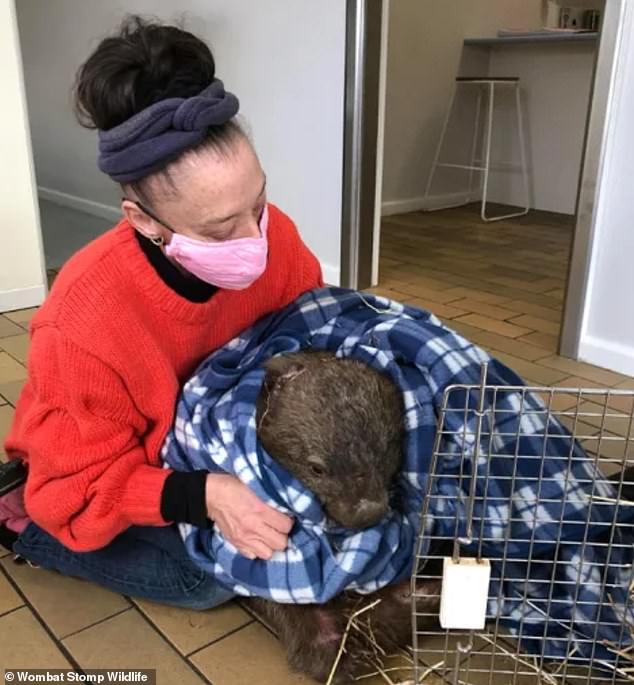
(332, 274)
(414, 204)
(22, 298)
(609, 355)
(80, 204)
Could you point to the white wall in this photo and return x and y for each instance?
(608, 328)
(22, 275)
(485, 17)
(424, 57)
(284, 59)
(556, 82)
(424, 43)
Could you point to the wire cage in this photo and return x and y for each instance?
(533, 482)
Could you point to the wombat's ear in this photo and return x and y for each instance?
(280, 371)
(283, 368)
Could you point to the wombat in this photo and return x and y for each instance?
(338, 427)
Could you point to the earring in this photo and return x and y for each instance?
(157, 240)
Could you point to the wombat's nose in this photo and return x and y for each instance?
(369, 512)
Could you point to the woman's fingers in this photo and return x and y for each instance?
(278, 521)
(254, 528)
(256, 549)
(271, 538)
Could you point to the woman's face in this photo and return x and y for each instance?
(216, 197)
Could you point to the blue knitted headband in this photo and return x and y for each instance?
(148, 140)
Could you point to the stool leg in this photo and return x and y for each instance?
(522, 140)
(474, 144)
(487, 158)
(524, 166)
(438, 150)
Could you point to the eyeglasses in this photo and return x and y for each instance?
(151, 214)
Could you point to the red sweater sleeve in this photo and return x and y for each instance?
(77, 428)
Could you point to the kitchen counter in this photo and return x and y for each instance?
(536, 38)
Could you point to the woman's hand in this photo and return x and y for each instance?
(254, 528)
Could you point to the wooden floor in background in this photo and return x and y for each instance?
(499, 284)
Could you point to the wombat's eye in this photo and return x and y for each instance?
(317, 470)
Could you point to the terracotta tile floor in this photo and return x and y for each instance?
(500, 285)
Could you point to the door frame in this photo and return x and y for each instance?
(362, 105)
(592, 168)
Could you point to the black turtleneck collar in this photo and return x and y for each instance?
(189, 287)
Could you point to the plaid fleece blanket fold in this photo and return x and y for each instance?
(520, 501)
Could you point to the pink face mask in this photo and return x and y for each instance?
(232, 264)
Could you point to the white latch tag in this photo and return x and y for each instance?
(464, 595)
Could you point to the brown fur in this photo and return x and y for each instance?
(337, 426)
(312, 633)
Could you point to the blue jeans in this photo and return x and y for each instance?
(144, 562)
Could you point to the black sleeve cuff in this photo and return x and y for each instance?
(183, 498)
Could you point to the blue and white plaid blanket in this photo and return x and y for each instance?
(519, 504)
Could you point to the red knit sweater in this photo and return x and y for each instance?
(110, 348)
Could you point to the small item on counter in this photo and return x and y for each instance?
(572, 18)
(592, 20)
(564, 18)
(551, 11)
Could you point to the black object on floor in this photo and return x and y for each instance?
(7, 538)
(12, 475)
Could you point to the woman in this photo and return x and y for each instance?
(198, 257)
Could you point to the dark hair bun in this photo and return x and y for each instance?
(143, 63)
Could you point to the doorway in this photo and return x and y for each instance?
(506, 282)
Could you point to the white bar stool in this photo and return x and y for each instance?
(483, 84)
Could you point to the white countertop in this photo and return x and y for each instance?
(536, 38)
